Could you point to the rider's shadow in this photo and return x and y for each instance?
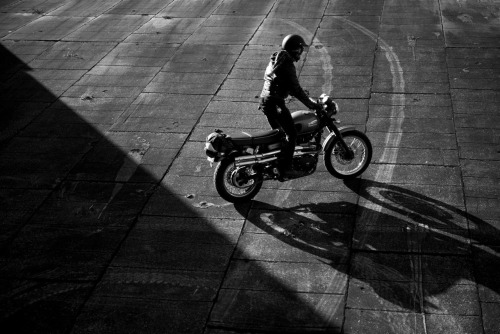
(402, 249)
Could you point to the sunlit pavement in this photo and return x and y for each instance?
(110, 222)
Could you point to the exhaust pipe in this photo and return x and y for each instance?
(256, 158)
(270, 156)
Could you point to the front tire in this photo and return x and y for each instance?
(337, 162)
(233, 183)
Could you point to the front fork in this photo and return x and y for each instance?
(349, 154)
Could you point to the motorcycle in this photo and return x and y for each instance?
(245, 161)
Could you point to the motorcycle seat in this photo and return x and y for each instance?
(259, 138)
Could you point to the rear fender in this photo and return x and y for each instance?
(329, 140)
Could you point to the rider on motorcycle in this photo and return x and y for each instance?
(280, 80)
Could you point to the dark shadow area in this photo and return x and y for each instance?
(15, 113)
(396, 231)
(71, 207)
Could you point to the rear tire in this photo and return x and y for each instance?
(225, 176)
(335, 158)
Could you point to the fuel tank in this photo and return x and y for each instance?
(305, 121)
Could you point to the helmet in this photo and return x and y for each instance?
(293, 42)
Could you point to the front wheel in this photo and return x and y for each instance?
(339, 164)
(236, 185)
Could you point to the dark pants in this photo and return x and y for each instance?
(278, 117)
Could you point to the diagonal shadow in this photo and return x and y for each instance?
(78, 254)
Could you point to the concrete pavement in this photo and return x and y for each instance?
(110, 222)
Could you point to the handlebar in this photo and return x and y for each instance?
(328, 105)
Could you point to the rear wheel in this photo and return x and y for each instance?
(236, 184)
(340, 164)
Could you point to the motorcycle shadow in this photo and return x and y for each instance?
(405, 247)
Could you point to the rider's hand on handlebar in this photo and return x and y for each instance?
(314, 104)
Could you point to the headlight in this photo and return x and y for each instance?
(329, 105)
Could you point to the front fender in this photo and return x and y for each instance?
(329, 140)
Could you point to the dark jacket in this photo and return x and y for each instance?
(280, 79)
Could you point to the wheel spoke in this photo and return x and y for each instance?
(350, 166)
(231, 188)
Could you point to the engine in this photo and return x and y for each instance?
(306, 163)
(305, 138)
